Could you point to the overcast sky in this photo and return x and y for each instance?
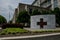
(8, 6)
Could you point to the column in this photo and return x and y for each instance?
(26, 8)
(52, 2)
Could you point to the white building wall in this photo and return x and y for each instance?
(52, 2)
(37, 3)
(55, 4)
(50, 19)
(59, 3)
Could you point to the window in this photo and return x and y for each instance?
(55, 3)
(30, 10)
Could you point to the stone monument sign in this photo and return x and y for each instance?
(43, 22)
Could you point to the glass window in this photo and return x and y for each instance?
(55, 3)
(30, 10)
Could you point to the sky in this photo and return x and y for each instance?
(7, 7)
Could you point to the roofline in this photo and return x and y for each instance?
(34, 2)
(33, 6)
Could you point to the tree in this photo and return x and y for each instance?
(23, 17)
(2, 20)
(36, 12)
(57, 13)
(44, 12)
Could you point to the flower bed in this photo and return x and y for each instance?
(12, 26)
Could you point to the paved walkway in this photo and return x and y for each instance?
(33, 36)
(40, 29)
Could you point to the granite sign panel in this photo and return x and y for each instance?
(43, 22)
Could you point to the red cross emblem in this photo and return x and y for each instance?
(41, 23)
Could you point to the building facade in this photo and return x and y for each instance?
(37, 4)
(51, 4)
(28, 8)
(59, 3)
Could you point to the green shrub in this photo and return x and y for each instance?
(9, 33)
(2, 33)
(46, 31)
(13, 33)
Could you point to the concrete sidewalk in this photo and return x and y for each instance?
(25, 37)
(30, 29)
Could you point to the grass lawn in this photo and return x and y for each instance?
(13, 31)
